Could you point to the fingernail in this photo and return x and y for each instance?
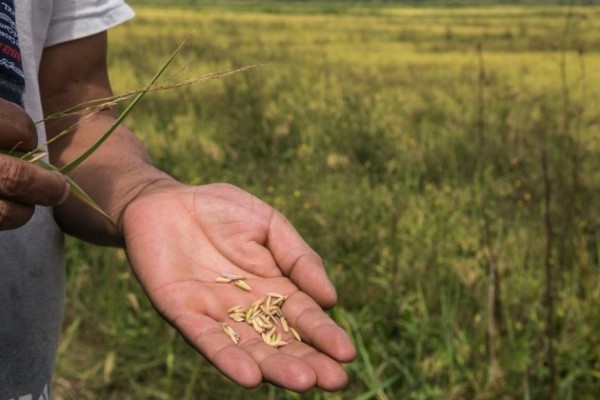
(66, 194)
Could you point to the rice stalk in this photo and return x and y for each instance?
(96, 105)
(90, 108)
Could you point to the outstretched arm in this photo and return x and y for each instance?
(180, 238)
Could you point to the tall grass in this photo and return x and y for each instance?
(405, 166)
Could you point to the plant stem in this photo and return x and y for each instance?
(493, 300)
(549, 273)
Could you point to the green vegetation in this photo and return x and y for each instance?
(444, 162)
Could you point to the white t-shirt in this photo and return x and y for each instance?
(31, 260)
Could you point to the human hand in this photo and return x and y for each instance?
(23, 184)
(180, 238)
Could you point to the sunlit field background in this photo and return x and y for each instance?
(445, 162)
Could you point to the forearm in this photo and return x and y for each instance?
(113, 176)
(71, 74)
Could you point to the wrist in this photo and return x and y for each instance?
(138, 193)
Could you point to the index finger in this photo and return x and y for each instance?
(317, 328)
(299, 262)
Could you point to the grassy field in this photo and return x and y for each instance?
(445, 162)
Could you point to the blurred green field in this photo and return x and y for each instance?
(445, 162)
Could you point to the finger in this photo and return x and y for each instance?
(330, 375)
(205, 334)
(16, 127)
(300, 262)
(279, 368)
(30, 184)
(317, 328)
(14, 215)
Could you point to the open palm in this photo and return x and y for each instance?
(179, 239)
